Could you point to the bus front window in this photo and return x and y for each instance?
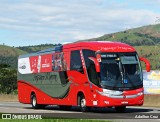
(120, 71)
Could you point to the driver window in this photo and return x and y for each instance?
(91, 70)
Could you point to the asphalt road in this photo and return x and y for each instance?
(147, 113)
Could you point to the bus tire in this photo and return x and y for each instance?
(82, 104)
(120, 109)
(34, 102)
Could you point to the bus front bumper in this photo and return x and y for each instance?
(119, 100)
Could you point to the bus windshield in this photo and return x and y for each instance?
(120, 71)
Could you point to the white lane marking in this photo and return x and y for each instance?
(143, 107)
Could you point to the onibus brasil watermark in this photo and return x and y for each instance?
(21, 116)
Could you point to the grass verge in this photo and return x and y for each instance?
(8, 98)
(152, 100)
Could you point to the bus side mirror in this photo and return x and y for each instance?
(146, 62)
(97, 66)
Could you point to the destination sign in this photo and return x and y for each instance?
(108, 55)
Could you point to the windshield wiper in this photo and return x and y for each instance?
(121, 72)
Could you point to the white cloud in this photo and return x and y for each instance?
(70, 20)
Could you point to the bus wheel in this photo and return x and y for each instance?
(34, 101)
(82, 104)
(120, 109)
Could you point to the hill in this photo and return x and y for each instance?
(152, 53)
(146, 35)
(8, 55)
(10, 51)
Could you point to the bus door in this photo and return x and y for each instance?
(92, 75)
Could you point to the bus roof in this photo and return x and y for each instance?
(103, 46)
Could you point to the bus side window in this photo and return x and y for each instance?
(76, 63)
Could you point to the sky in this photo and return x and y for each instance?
(33, 22)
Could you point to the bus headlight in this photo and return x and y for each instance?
(140, 94)
(101, 93)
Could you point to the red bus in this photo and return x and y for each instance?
(85, 74)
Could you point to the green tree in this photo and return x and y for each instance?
(8, 79)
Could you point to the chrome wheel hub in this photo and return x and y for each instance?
(83, 102)
(34, 101)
